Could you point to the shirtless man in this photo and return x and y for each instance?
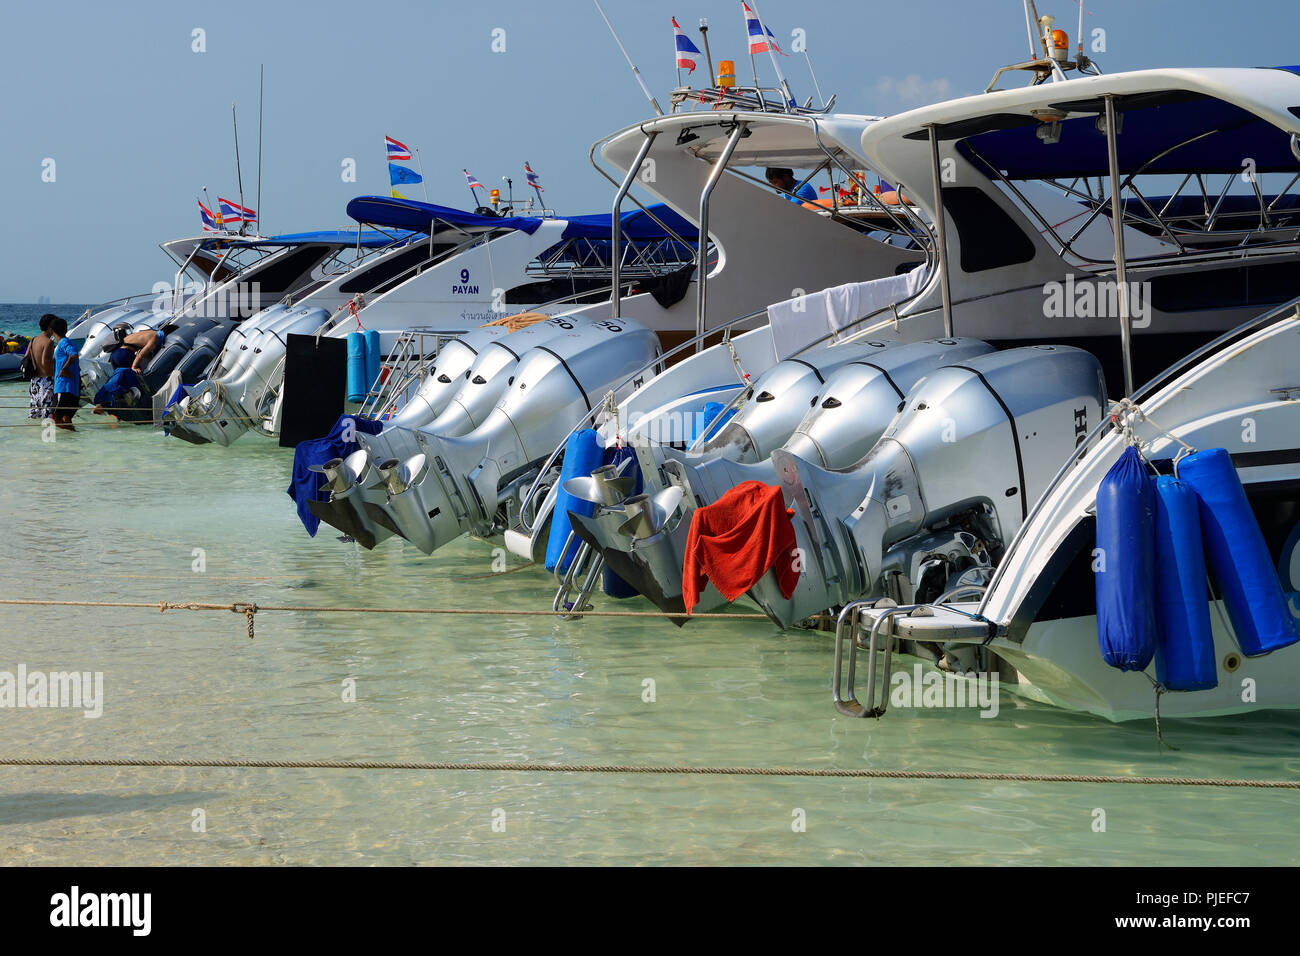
(146, 342)
(41, 350)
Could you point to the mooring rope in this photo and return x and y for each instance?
(250, 610)
(452, 766)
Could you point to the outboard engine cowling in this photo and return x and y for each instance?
(220, 410)
(850, 412)
(444, 377)
(774, 404)
(175, 347)
(955, 474)
(468, 478)
(492, 373)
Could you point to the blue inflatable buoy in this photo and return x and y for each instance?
(1243, 569)
(357, 385)
(372, 357)
(1185, 652)
(582, 454)
(1124, 564)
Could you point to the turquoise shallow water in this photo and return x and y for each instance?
(116, 513)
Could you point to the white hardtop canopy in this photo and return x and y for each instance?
(1168, 108)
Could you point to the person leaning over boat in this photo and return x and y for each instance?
(146, 342)
(781, 177)
(41, 353)
(67, 375)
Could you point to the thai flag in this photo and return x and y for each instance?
(759, 35)
(396, 150)
(209, 223)
(234, 212)
(532, 178)
(230, 211)
(686, 50)
(473, 183)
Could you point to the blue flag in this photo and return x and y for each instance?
(397, 175)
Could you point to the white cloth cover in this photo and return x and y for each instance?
(798, 322)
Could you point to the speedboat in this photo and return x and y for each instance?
(1036, 619)
(230, 279)
(1031, 251)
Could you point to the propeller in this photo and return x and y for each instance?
(647, 516)
(342, 474)
(398, 476)
(604, 486)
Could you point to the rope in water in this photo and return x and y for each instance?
(250, 610)
(852, 773)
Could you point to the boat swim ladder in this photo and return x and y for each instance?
(408, 365)
(587, 564)
(880, 638)
(846, 626)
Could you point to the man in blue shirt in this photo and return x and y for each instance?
(781, 177)
(67, 375)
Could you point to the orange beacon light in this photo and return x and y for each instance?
(1060, 45)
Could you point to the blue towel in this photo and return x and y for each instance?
(118, 384)
(306, 484)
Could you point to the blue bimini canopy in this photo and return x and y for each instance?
(1170, 132)
(637, 225)
(426, 217)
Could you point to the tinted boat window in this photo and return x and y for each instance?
(989, 237)
(1261, 285)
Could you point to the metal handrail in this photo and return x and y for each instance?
(847, 624)
(752, 98)
(591, 158)
(902, 227)
(383, 394)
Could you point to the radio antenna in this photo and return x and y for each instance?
(261, 89)
(239, 174)
(635, 72)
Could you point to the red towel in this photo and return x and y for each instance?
(735, 540)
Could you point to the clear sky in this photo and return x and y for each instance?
(137, 122)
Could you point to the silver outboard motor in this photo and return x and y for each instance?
(493, 372)
(849, 412)
(450, 486)
(174, 349)
(220, 410)
(772, 406)
(465, 387)
(946, 486)
(444, 377)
